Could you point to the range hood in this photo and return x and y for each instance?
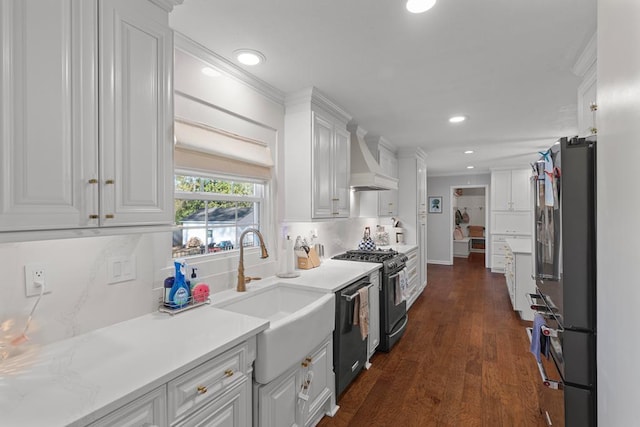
(366, 173)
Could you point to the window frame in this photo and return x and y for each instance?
(263, 202)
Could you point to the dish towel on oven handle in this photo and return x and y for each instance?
(401, 290)
(361, 311)
(539, 341)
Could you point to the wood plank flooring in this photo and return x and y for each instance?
(463, 360)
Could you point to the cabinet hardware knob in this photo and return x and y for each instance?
(93, 216)
(109, 181)
(308, 359)
(201, 389)
(109, 216)
(335, 213)
(228, 373)
(593, 130)
(593, 106)
(335, 200)
(304, 364)
(93, 181)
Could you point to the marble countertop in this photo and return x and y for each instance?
(78, 380)
(519, 246)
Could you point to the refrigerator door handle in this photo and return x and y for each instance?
(553, 384)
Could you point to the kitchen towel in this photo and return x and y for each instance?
(401, 286)
(361, 311)
(539, 341)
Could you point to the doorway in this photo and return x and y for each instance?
(470, 214)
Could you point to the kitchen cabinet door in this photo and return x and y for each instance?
(136, 131)
(374, 313)
(278, 401)
(148, 410)
(323, 186)
(86, 114)
(48, 114)
(342, 164)
(232, 409)
(510, 190)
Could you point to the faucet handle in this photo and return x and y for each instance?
(248, 279)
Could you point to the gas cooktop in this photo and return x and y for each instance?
(378, 255)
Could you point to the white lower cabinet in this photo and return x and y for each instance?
(415, 287)
(215, 393)
(517, 273)
(499, 249)
(302, 395)
(148, 410)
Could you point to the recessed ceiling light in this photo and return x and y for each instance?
(208, 71)
(457, 119)
(470, 167)
(419, 6)
(249, 56)
(468, 152)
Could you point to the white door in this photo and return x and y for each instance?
(501, 190)
(48, 136)
(136, 53)
(322, 167)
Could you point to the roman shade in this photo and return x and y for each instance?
(202, 148)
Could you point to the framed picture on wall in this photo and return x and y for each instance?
(435, 204)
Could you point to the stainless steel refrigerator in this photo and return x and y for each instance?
(564, 185)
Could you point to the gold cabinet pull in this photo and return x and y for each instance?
(94, 216)
(201, 389)
(228, 373)
(109, 181)
(93, 181)
(109, 216)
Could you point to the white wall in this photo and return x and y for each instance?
(618, 255)
(438, 228)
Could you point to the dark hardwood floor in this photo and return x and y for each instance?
(463, 360)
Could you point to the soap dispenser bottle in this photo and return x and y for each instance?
(180, 292)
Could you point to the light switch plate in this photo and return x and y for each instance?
(121, 269)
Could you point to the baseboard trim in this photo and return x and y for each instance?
(437, 261)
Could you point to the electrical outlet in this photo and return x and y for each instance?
(35, 273)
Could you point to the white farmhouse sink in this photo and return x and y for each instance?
(300, 319)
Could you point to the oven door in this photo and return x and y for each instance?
(393, 313)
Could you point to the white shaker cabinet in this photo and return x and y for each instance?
(317, 170)
(374, 314)
(86, 114)
(412, 207)
(148, 410)
(510, 190)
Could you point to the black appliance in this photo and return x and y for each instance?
(393, 317)
(349, 349)
(565, 271)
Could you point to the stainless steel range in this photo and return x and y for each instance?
(393, 307)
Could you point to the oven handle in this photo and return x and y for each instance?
(556, 385)
(400, 329)
(352, 296)
(393, 276)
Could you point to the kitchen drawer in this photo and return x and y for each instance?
(206, 382)
(497, 262)
(146, 410)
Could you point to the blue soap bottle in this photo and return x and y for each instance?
(179, 294)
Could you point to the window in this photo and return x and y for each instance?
(212, 212)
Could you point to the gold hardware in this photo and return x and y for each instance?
(228, 373)
(109, 216)
(242, 281)
(335, 213)
(593, 130)
(93, 181)
(308, 359)
(593, 106)
(202, 389)
(109, 181)
(335, 200)
(304, 364)
(94, 216)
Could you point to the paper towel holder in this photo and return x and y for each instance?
(288, 253)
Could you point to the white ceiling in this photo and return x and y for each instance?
(506, 64)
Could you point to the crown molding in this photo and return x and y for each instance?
(194, 48)
(167, 5)
(312, 95)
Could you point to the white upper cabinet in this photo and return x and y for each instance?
(317, 163)
(136, 127)
(85, 118)
(510, 190)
